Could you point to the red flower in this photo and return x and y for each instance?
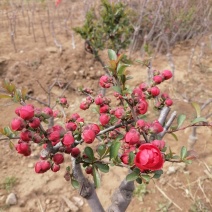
(159, 143)
(71, 126)
(68, 139)
(142, 107)
(168, 102)
(88, 136)
(132, 137)
(26, 112)
(155, 91)
(105, 81)
(156, 127)
(167, 74)
(119, 113)
(58, 158)
(75, 152)
(34, 123)
(149, 157)
(104, 119)
(17, 124)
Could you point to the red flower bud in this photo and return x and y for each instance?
(71, 126)
(155, 91)
(18, 124)
(23, 148)
(84, 105)
(88, 136)
(156, 127)
(75, 152)
(89, 170)
(98, 100)
(132, 137)
(119, 113)
(26, 112)
(159, 143)
(104, 109)
(26, 135)
(157, 79)
(48, 111)
(105, 81)
(167, 74)
(68, 139)
(168, 102)
(36, 138)
(95, 128)
(142, 107)
(58, 158)
(104, 119)
(34, 122)
(74, 116)
(55, 168)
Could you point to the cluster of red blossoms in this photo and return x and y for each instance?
(148, 156)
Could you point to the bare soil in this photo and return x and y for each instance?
(181, 188)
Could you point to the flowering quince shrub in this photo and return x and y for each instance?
(123, 136)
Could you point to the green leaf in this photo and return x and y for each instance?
(101, 150)
(131, 158)
(132, 176)
(139, 180)
(74, 183)
(196, 106)
(117, 89)
(11, 145)
(112, 54)
(146, 178)
(199, 119)
(175, 137)
(158, 173)
(89, 152)
(96, 177)
(102, 167)
(181, 118)
(121, 68)
(183, 152)
(114, 149)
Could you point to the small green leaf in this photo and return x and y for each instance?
(11, 145)
(75, 183)
(183, 152)
(199, 119)
(96, 177)
(196, 106)
(157, 174)
(112, 54)
(101, 149)
(102, 167)
(175, 137)
(131, 158)
(117, 89)
(132, 176)
(114, 149)
(121, 68)
(146, 178)
(89, 152)
(139, 180)
(181, 118)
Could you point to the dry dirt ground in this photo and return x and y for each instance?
(181, 188)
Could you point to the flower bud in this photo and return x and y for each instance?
(159, 143)
(155, 91)
(55, 168)
(26, 135)
(71, 126)
(157, 79)
(168, 102)
(26, 112)
(75, 152)
(88, 136)
(104, 109)
(104, 119)
(167, 74)
(119, 113)
(17, 124)
(132, 137)
(58, 158)
(68, 139)
(34, 122)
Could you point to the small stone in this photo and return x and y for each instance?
(171, 170)
(78, 201)
(30, 165)
(48, 201)
(11, 199)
